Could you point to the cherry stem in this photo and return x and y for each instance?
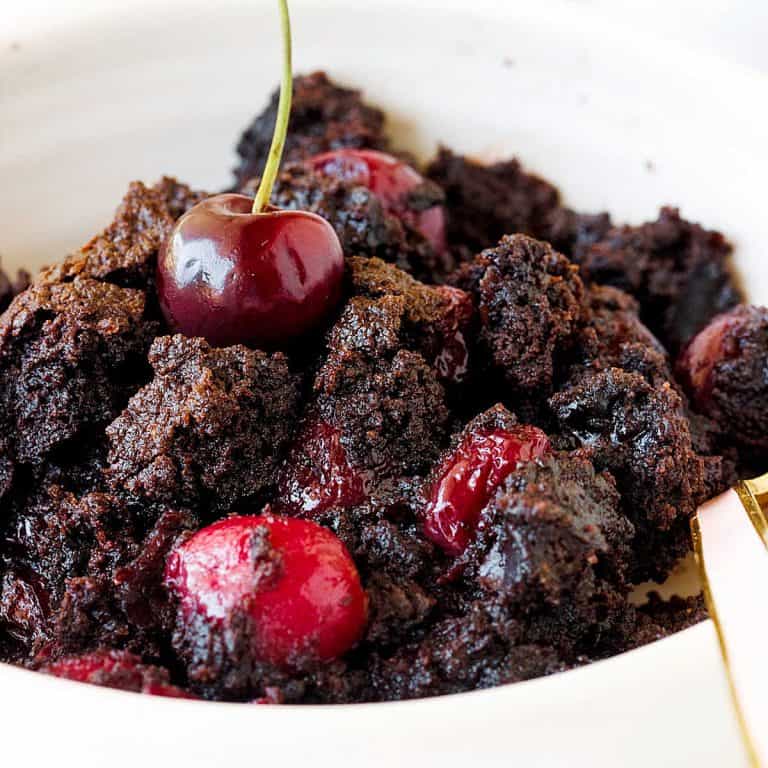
(264, 192)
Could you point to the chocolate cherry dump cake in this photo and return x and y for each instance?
(423, 434)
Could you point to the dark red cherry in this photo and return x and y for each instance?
(468, 477)
(235, 270)
(292, 578)
(317, 475)
(232, 276)
(392, 181)
(712, 345)
(116, 669)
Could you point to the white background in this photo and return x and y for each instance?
(734, 29)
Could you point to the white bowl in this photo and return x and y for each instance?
(92, 98)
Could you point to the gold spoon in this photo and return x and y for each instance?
(730, 541)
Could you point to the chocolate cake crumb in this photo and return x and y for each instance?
(680, 273)
(324, 116)
(531, 303)
(385, 399)
(71, 355)
(570, 231)
(437, 320)
(554, 545)
(659, 618)
(481, 649)
(208, 430)
(125, 253)
(486, 202)
(641, 435)
(10, 288)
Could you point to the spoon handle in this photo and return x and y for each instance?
(730, 539)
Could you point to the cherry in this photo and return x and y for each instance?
(709, 347)
(391, 180)
(234, 270)
(233, 276)
(292, 578)
(467, 478)
(317, 475)
(116, 669)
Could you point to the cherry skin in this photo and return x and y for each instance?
(317, 474)
(711, 346)
(391, 180)
(235, 277)
(293, 579)
(116, 669)
(468, 477)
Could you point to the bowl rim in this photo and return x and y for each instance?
(735, 77)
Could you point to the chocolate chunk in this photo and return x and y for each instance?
(486, 202)
(386, 400)
(531, 303)
(436, 319)
(71, 355)
(208, 430)
(680, 273)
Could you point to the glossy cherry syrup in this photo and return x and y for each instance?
(392, 181)
(304, 599)
(317, 474)
(469, 476)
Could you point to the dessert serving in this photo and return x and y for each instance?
(390, 431)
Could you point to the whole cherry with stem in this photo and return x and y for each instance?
(236, 270)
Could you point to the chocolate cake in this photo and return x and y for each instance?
(454, 480)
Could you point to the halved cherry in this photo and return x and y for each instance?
(468, 477)
(394, 182)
